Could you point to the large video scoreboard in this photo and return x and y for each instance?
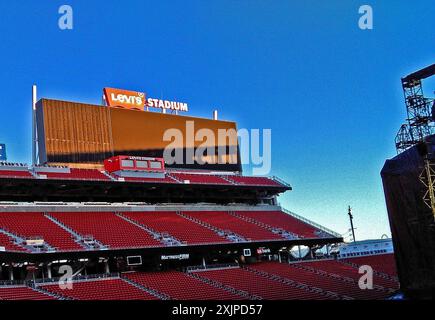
(72, 133)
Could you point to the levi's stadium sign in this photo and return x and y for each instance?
(167, 105)
(124, 98)
(138, 101)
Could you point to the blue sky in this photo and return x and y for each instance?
(329, 91)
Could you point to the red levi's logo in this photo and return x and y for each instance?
(124, 98)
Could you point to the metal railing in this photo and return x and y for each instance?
(312, 223)
(218, 266)
(281, 181)
(113, 275)
(10, 283)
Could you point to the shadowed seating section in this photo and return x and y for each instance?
(315, 280)
(326, 282)
(107, 228)
(182, 229)
(279, 219)
(29, 225)
(105, 289)
(384, 263)
(22, 293)
(181, 286)
(227, 222)
(345, 270)
(259, 286)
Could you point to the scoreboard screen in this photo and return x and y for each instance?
(75, 133)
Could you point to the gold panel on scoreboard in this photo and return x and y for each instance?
(85, 135)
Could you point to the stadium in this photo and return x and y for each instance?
(101, 214)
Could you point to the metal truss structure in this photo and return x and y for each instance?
(420, 121)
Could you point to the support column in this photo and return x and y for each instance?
(106, 266)
(49, 271)
(11, 273)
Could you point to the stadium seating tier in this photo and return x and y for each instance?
(22, 293)
(173, 224)
(15, 174)
(384, 263)
(279, 219)
(106, 289)
(77, 174)
(34, 225)
(107, 228)
(170, 177)
(254, 181)
(181, 286)
(227, 222)
(264, 280)
(259, 286)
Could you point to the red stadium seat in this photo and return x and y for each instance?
(260, 286)
(8, 243)
(182, 229)
(180, 286)
(102, 289)
(35, 224)
(15, 174)
(279, 219)
(115, 232)
(22, 293)
(254, 181)
(76, 174)
(314, 280)
(107, 228)
(227, 222)
(344, 270)
(326, 282)
(384, 263)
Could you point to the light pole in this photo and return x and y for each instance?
(351, 223)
